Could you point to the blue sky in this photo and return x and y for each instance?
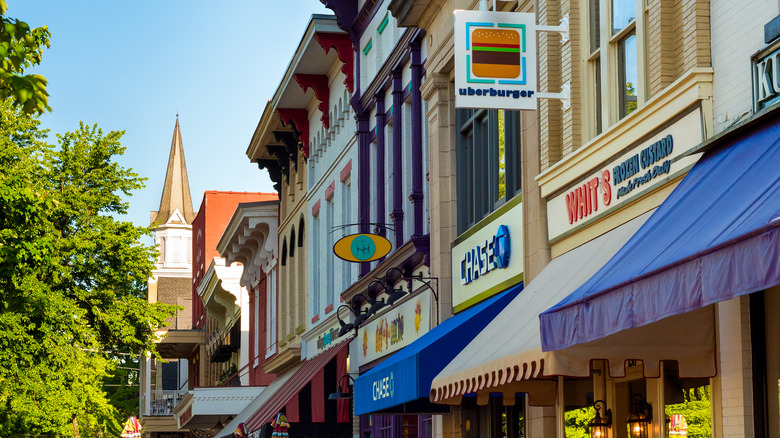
(132, 65)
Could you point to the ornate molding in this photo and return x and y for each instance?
(282, 158)
(318, 83)
(346, 12)
(289, 141)
(274, 171)
(299, 118)
(346, 55)
(434, 83)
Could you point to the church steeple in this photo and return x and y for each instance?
(176, 190)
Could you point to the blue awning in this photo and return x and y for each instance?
(717, 236)
(402, 382)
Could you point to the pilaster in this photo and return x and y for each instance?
(439, 92)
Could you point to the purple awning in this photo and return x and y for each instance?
(717, 236)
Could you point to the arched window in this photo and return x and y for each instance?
(284, 252)
(292, 242)
(300, 232)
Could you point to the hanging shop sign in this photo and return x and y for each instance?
(362, 247)
(392, 330)
(488, 259)
(766, 76)
(626, 177)
(495, 60)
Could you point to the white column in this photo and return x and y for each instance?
(735, 367)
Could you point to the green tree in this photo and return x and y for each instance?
(21, 48)
(697, 410)
(576, 422)
(72, 277)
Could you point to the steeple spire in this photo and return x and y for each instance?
(176, 190)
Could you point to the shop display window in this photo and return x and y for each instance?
(687, 405)
(765, 349)
(495, 420)
(578, 408)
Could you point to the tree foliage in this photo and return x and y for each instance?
(21, 48)
(697, 410)
(72, 278)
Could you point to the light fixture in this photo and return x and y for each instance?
(339, 394)
(376, 305)
(360, 318)
(599, 426)
(345, 326)
(639, 418)
(396, 295)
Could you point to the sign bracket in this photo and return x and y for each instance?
(564, 96)
(563, 28)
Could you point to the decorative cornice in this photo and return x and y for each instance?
(318, 83)
(367, 12)
(346, 13)
(434, 83)
(299, 118)
(289, 141)
(274, 171)
(282, 158)
(344, 51)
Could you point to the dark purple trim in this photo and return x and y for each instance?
(364, 178)
(398, 200)
(380, 161)
(355, 100)
(417, 155)
(364, 17)
(346, 12)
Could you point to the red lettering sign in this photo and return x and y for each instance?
(584, 200)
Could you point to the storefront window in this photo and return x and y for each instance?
(687, 405)
(578, 407)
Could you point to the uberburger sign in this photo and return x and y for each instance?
(495, 60)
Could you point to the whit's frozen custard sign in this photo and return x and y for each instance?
(639, 170)
(495, 60)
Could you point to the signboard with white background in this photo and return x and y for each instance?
(627, 176)
(392, 330)
(484, 263)
(495, 60)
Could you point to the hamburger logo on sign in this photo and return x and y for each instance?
(495, 60)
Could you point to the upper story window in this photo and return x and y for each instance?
(613, 59)
(488, 160)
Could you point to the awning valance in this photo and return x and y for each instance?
(717, 236)
(402, 382)
(507, 355)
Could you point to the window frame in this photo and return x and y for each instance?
(601, 67)
(477, 160)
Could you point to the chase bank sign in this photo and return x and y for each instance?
(383, 388)
(487, 258)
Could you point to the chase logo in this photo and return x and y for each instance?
(384, 388)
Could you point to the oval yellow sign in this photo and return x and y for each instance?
(362, 247)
